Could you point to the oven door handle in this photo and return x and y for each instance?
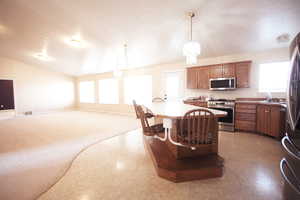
(216, 107)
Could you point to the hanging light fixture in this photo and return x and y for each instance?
(122, 64)
(191, 49)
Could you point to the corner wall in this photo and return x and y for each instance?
(38, 89)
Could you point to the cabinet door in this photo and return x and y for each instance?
(242, 71)
(203, 78)
(191, 78)
(216, 71)
(263, 119)
(229, 70)
(275, 124)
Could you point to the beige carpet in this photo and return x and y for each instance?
(35, 151)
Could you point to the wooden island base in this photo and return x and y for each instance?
(187, 169)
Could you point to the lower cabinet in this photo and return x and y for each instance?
(245, 117)
(265, 119)
(271, 120)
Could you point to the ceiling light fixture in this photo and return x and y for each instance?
(191, 49)
(76, 41)
(122, 64)
(2, 29)
(283, 38)
(43, 56)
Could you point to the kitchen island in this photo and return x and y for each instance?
(178, 163)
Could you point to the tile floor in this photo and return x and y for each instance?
(120, 168)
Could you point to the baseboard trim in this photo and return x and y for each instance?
(107, 112)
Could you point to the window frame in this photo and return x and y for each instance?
(137, 99)
(117, 91)
(94, 93)
(262, 76)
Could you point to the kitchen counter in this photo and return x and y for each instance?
(263, 103)
(174, 110)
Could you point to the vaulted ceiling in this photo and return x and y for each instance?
(154, 30)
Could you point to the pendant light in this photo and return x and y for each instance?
(122, 64)
(191, 49)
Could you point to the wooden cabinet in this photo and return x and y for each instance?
(242, 74)
(263, 119)
(245, 117)
(222, 71)
(229, 70)
(270, 120)
(202, 78)
(215, 71)
(192, 78)
(198, 77)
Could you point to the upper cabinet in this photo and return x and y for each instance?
(203, 78)
(198, 77)
(192, 78)
(242, 71)
(215, 71)
(228, 70)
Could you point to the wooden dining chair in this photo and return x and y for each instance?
(135, 109)
(196, 129)
(148, 129)
(148, 112)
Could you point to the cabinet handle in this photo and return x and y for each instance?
(267, 111)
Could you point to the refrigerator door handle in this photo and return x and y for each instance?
(283, 163)
(290, 147)
(290, 91)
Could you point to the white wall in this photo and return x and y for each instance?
(38, 89)
(157, 72)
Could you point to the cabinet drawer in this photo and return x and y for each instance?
(245, 106)
(245, 125)
(246, 116)
(242, 110)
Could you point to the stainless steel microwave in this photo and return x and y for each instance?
(222, 84)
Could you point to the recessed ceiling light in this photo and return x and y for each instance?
(42, 56)
(3, 29)
(283, 38)
(76, 41)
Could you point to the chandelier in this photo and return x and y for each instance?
(191, 49)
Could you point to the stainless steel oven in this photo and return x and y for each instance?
(222, 84)
(225, 123)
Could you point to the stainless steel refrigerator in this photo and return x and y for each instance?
(290, 164)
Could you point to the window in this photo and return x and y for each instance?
(138, 88)
(87, 92)
(108, 91)
(273, 77)
(174, 84)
